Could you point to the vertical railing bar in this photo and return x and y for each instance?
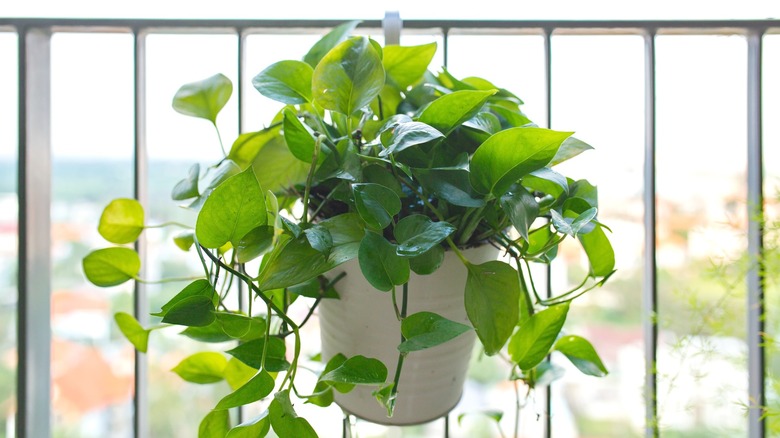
(140, 188)
(650, 286)
(548, 269)
(445, 34)
(242, 304)
(755, 278)
(392, 26)
(33, 415)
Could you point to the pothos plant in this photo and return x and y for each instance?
(371, 157)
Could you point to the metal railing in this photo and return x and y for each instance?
(34, 176)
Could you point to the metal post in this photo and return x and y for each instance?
(755, 278)
(650, 286)
(392, 25)
(33, 415)
(140, 171)
(547, 417)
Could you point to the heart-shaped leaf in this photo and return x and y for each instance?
(232, 210)
(521, 207)
(258, 426)
(600, 254)
(299, 138)
(122, 221)
(255, 243)
(570, 148)
(534, 338)
(203, 367)
(358, 370)
(492, 302)
(214, 424)
(248, 145)
(133, 331)
(380, 263)
(257, 388)
(200, 287)
(452, 185)
(449, 111)
(188, 187)
(111, 266)
(184, 240)
(582, 354)
(329, 41)
(349, 77)
(405, 65)
(410, 134)
(424, 330)
(376, 204)
(319, 238)
(417, 234)
(509, 155)
(428, 262)
(251, 353)
(277, 168)
(204, 99)
(284, 419)
(547, 181)
(194, 311)
(237, 373)
(285, 81)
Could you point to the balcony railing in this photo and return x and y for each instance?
(35, 183)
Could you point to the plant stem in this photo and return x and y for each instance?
(517, 409)
(307, 191)
(169, 224)
(395, 306)
(219, 136)
(267, 336)
(401, 356)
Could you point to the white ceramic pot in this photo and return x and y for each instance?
(363, 322)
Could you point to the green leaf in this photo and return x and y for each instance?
(547, 181)
(521, 207)
(194, 311)
(380, 263)
(111, 266)
(203, 367)
(377, 174)
(336, 361)
(600, 254)
(349, 77)
(204, 98)
(570, 148)
(509, 155)
(232, 210)
(319, 238)
(133, 331)
(428, 262)
(248, 145)
(237, 326)
(122, 221)
(417, 234)
(285, 81)
(376, 204)
(450, 111)
(255, 243)
(313, 289)
(284, 420)
(256, 427)
(410, 134)
(405, 65)
(213, 177)
(534, 338)
(210, 333)
(184, 240)
(426, 329)
(583, 220)
(237, 373)
(493, 415)
(251, 353)
(257, 388)
(214, 425)
(452, 185)
(358, 370)
(277, 168)
(329, 41)
(299, 138)
(493, 302)
(582, 354)
(384, 395)
(560, 223)
(200, 287)
(188, 187)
